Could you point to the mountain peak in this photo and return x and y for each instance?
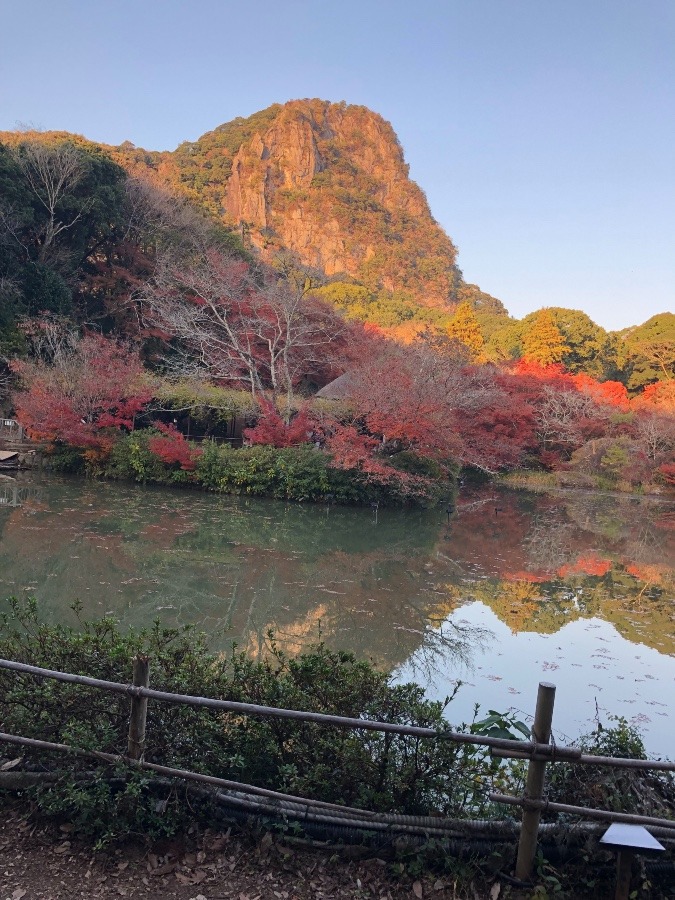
(329, 182)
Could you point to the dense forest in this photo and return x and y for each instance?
(281, 282)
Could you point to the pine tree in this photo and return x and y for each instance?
(543, 341)
(465, 328)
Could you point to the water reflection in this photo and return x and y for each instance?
(391, 588)
(234, 566)
(542, 562)
(15, 492)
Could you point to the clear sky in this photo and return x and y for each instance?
(543, 132)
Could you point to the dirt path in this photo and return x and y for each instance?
(44, 863)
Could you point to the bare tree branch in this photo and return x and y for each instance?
(52, 174)
(239, 326)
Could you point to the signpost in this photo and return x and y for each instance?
(628, 840)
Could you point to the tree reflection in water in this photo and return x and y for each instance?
(238, 567)
(448, 646)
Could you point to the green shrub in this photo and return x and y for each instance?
(407, 461)
(290, 473)
(65, 459)
(369, 769)
(131, 459)
(623, 790)
(615, 460)
(212, 465)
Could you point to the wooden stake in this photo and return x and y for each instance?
(534, 788)
(624, 862)
(139, 709)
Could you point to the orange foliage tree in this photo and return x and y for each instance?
(465, 328)
(543, 341)
(171, 447)
(428, 399)
(658, 397)
(271, 429)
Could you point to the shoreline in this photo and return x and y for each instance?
(531, 481)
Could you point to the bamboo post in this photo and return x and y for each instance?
(534, 788)
(139, 709)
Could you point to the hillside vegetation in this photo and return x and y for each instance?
(212, 291)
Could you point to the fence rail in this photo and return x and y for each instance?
(538, 752)
(502, 747)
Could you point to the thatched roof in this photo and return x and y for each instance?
(338, 389)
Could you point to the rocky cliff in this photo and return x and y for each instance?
(329, 182)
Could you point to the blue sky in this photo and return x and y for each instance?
(542, 132)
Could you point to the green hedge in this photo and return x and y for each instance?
(291, 473)
(372, 770)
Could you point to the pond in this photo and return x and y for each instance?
(509, 589)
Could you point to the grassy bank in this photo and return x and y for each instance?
(541, 482)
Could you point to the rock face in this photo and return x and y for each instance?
(329, 182)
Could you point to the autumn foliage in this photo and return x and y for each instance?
(431, 400)
(172, 448)
(84, 395)
(239, 326)
(440, 377)
(271, 428)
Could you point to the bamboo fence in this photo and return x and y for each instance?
(539, 752)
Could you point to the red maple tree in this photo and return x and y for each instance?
(171, 447)
(271, 429)
(84, 395)
(428, 398)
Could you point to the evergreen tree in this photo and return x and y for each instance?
(543, 341)
(465, 328)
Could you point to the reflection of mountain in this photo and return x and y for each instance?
(545, 607)
(554, 560)
(237, 567)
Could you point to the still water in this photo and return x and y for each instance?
(510, 589)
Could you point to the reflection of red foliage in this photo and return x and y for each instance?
(644, 572)
(171, 447)
(666, 522)
(271, 428)
(589, 564)
(531, 577)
